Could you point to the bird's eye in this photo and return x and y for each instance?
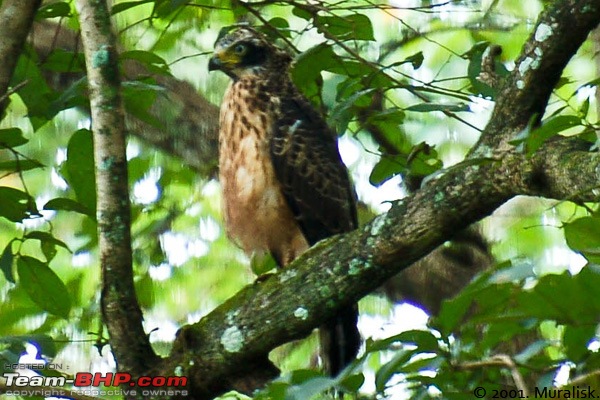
(240, 49)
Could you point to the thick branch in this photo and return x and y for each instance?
(16, 17)
(120, 309)
(560, 31)
(566, 170)
(345, 268)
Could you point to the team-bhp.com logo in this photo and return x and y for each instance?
(96, 384)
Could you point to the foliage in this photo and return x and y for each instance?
(400, 84)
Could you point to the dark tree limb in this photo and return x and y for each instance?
(189, 123)
(555, 39)
(343, 269)
(16, 17)
(120, 309)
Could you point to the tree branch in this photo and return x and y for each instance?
(16, 17)
(559, 32)
(120, 309)
(500, 360)
(343, 269)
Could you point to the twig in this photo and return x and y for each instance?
(12, 90)
(500, 360)
(583, 378)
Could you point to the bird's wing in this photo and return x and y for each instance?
(313, 177)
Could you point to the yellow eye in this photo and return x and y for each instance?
(240, 49)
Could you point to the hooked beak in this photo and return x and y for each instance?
(215, 63)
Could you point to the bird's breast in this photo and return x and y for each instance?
(256, 212)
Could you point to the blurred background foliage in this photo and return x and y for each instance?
(398, 81)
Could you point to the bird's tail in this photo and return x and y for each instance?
(340, 340)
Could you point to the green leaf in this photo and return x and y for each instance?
(428, 363)
(153, 62)
(530, 351)
(36, 94)
(314, 60)
(352, 383)
(416, 60)
(44, 343)
(46, 237)
(20, 165)
(12, 137)
(54, 10)
(563, 298)
(43, 286)
(274, 391)
(347, 27)
(576, 340)
(281, 24)
(64, 204)
(340, 116)
(138, 97)
(475, 57)
(300, 376)
(9, 356)
(511, 272)
(301, 13)
(79, 168)
(164, 8)
(262, 263)
(381, 344)
(583, 235)
(423, 160)
(424, 340)
(385, 373)
(550, 127)
(453, 311)
(387, 168)
(60, 60)
(73, 96)
(16, 205)
(585, 108)
(6, 263)
(48, 249)
(428, 107)
(120, 7)
(307, 69)
(310, 388)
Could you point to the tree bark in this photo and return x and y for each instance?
(120, 309)
(16, 17)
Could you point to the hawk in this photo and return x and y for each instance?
(284, 184)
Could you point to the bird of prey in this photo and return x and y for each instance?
(284, 184)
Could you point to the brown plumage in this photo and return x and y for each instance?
(284, 184)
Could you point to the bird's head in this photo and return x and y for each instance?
(245, 52)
